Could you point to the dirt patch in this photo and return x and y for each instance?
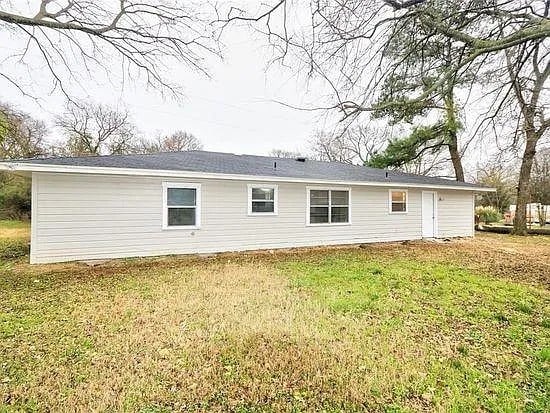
(524, 259)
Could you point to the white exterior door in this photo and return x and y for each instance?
(429, 214)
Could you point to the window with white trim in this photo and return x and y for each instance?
(398, 201)
(262, 199)
(328, 206)
(181, 205)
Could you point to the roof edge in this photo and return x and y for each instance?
(101, 170)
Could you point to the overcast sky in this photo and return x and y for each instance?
(233, 111)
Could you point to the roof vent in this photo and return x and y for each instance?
(301, 158)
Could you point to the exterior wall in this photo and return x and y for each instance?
(77, 217)
(455, 212)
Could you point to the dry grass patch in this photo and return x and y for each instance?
(410, 327)
(524, 259)
(14, 229)
(227, 336)
(14, 239)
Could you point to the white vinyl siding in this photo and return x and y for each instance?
(77, 217)
(455, 214)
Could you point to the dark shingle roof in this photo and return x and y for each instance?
(228, 163)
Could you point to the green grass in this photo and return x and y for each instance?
(13, 224)
(385, 329)
(486, 340)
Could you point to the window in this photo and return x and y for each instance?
(398, 201)
(328, 206)
(262, 199)
(181, 205)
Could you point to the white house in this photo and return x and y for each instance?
(200, 202)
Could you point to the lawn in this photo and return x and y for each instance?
(14, 239)
(460, 326)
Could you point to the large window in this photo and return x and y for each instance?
(398, 201)
(328, 206)
(262, 199)
(181, 205)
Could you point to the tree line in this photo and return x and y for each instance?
(87, 129)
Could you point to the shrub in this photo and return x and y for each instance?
(488, 214)
(15, 197)
(13, 248)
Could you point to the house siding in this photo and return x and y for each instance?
(455, 211)
(81, 217)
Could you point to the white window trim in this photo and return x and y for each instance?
(406, 211)
(275, 199)
(197, 187)
(327, 188)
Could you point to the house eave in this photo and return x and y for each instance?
(27, 167)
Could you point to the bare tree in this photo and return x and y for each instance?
(347, 43)
(93, 129)
(21, 136)
(180, 141)
(177, 142)
(529, 71)
(283, 153)
(541, 177)
(432, 164)
(363, 145)
(501, 176)
(331, 148)
(353, 145)
(77, 36)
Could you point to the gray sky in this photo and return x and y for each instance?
(234, 111)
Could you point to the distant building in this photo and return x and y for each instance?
(532, 213)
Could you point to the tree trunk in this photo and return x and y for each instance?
(520, 220)
(532, 112)
(455, 158)
(452, 127)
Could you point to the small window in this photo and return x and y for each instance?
(398, 201)
(328, 206)
(181, 205)
(262, 199)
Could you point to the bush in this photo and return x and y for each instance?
(15, 197)
(13, 248)
(488, 214)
